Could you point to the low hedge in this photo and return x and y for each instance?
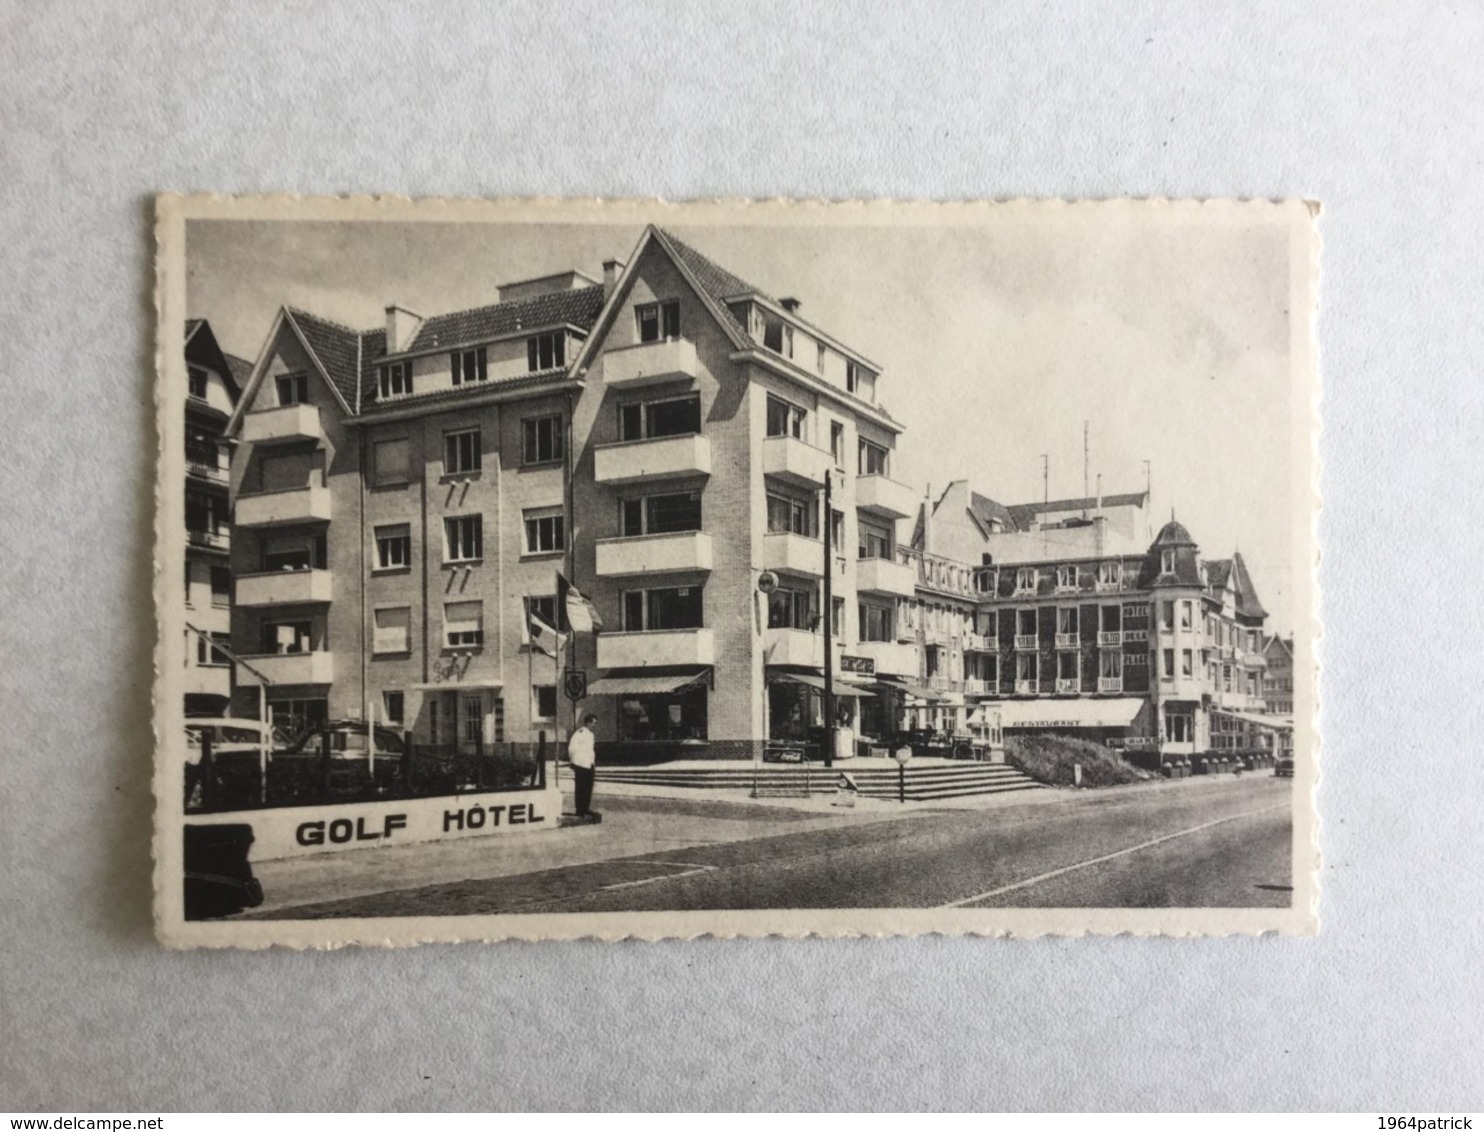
(1050, 758)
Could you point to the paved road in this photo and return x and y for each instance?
(1213, 844)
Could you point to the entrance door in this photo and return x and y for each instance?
(471, 724)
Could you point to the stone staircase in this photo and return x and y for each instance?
(925, 783)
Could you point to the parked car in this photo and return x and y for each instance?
(227, 736)
(1283, 768)
(347, 740)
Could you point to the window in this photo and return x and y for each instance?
(208, 655)
(790, 515)
(1187, 663)
(1167, 562)
(1025, 580)
(772, 333)
(1169, 669)
(989, 624)
(285, 637)
(294, 717)
(788, 341)
(791, 609)
(676, 416)
(658, 320)
(837, 530)
(221, 586)
(394, 708)
(819, 359)
(1167, 616)
(462, 452)
(1066, 666)
(463, 624)
(390, 459)
(396, 379)
(293, 388)
(1108, 575)
(837, 617)
(542, 440)
(1066, 621)
(392, 631)
(785, 419)
(1066, 577)
(837, 443)
(875, 623)
(664, 719)
(986, 581)
(294, 552)
(467, 366)
(1027, 666)
(546, 531)
(646, 611)
(873, 459)
(1187, 618)
(1025, 623)
(1110, 665)
(661, 514)
(394, 547)
(545, 697)
(463, 538)
(873, 540)
(546, 351)
(196, 382)
(852, 377)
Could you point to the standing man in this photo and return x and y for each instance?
(581, 755)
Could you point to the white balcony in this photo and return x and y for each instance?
(656, 649)
(795, 462)
(976, 687)
(885, 497)
(793, 646)
(1110, 684)
(1111, 639)
(285, 587)
(793, 554)
(1027, 642)
(678, 552)
(630, 367)
(977, 642)
(885, 576)
(945, 684)
(294, 667)
(1068, 640)
(287, 424)
(1067, 687)
(664, 457)
(1026, 687)
(891, 657)
(283, 508)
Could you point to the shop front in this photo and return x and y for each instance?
(1112, 721)
(796, 710)
(651, 716)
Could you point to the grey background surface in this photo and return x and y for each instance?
(1374, 109)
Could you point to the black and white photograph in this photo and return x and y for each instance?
(562, 569)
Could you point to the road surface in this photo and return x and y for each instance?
(1203, 843)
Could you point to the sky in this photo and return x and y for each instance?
(999, 334)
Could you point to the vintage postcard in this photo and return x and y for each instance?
(561, 569)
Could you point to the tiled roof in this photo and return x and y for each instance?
(1024, 514)
(1247, 601)
(1173, 534)
(338, 349)
(986, 510)
(452, 393)
(719, 283)
(1218, 570)
(579, 307)
(373, 349)
(241, 369)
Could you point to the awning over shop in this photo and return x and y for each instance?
(916, 691)
(643, 683)
(840, 686)
(1068, 713)
(487, 683)
(1271, 722)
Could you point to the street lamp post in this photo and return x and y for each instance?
(903, 755)
(829, 627)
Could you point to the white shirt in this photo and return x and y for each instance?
(580, 748)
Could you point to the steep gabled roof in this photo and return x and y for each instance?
(1218, 570)
(1026, 513)
(337, 348)
(1247, 600)
(202, 348)
(715, 281)
(579, 307)
(987, 511)
(241, 369)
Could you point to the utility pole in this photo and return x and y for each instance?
(829, 626)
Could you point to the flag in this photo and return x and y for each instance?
(575, 611)
(544, 639)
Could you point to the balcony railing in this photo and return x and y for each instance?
(1066, 686)
(1027, 642)
(885, 497)
(977, 642)
(282, 425)
(649, 362)
(937, 573)
(283, 508)
(210, 540)
(634, 461)
(1110, 638)
(206, 464)
(1026, 687)
(791, 460)
(1068, 640)
(285, 587)
(677, 552)
(945, 684)
(656, 648)
(973, 686)
(1110, 683)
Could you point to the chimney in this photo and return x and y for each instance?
(1100, 491)
(401, 327)
(612, 268)
(789, 304)
(927, 520)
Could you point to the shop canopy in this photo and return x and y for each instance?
(1068, 713)
(643, 683)
(1271, 722)
(840, 686)
(916, 691)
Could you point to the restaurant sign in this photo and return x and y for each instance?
(863, 665)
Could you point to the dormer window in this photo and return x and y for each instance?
(196, 382)
(469, 366)
(1066, 577)
(1108, 575)
(1167, 562)
(396, 379)
(852, 377)
(546, 351)
(788, 341)
(658, 320)
(1025, 580)
(985, 580)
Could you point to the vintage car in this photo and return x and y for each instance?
(1283, 768)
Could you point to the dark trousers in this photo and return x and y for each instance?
(584, 778)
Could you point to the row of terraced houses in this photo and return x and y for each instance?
(377, 513)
